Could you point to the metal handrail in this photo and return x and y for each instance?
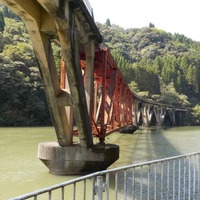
(89, 7)
(176, 177)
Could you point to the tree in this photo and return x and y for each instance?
(133, 87)
(2, 22)
(146, 78)
(157, 65)
(196, 113)
(108, 22)
(169, 95)
(22, 97)
(8, 13)
(151, 25)
(124, 66)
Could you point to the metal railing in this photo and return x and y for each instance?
(89, 7)
(174, 178)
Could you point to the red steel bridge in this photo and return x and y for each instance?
(91, 92)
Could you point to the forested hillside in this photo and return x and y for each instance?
(149, 54)
(22, 99)
(155, 64)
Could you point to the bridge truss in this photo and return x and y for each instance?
(92, 93)
(112, 99)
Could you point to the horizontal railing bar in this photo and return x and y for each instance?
(100, 173)
(57, 186)
(147, 163)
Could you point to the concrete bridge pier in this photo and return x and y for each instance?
(76, 159)
(147, 113)
(70, 25)
(172, 117)
(179, 118)
(83, 157)
(160, 114)
(136, 113)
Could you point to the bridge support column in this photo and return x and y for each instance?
(70, 24)
(146, 115)
(172, 117)
(160, 115)
(89, 76)
(179, 118)
(76, 159)
(136, 113)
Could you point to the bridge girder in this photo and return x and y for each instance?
(70, 24)
(47, 20)
(143, 112)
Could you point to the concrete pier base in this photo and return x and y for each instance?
(76, 159)
(128, 129)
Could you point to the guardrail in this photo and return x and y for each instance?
(174, 178)
(89, 7)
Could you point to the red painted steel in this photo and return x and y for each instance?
(62, 75)
(113, 100)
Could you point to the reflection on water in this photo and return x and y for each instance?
(154, 143)
(22, 172)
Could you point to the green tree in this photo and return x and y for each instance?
(157, 65)
(108, 22)
(151, 25)
(196, 114)
(133, 87)
(22, 97)
(125, 67)
(169, 95)
(2, 22)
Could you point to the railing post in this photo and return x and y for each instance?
(99, 188)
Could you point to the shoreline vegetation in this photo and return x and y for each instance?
(156, 65)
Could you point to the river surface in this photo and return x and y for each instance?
(22, 172)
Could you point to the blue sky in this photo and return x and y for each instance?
(174, 16)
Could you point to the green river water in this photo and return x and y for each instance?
(21, 171)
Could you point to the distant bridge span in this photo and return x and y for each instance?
(92, 92)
